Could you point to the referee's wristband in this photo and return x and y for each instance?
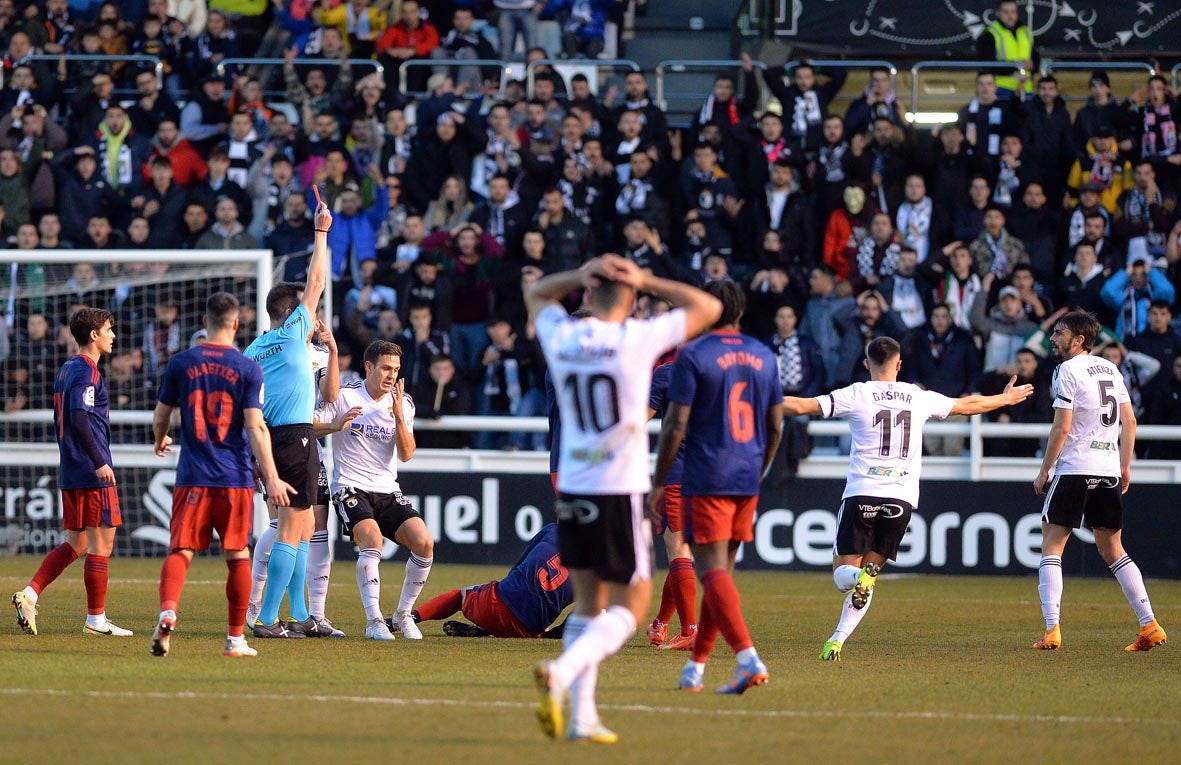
(321, 231)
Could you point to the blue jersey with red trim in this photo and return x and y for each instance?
(212, 385)
(80, 400)
(730, 380)
(658, 400)
(538, 588)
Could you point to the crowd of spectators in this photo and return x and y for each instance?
(965, 241)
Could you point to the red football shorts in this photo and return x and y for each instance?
(199, 510)
(86, 508)
(482, 607)
(719, 519)
(673, 509)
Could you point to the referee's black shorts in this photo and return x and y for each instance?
(293, 448)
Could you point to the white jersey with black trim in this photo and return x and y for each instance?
(365, 454)
(602, 372)
(319, 357)
(1093, 389)
(886, 421)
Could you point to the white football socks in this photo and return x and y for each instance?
(417, 571)
(850, 618)
(369, 582)
(262, 556)
(1131, 582)
(1049, 588)
(584, 713)
(319, 572)
(603, 636)
(845, 577)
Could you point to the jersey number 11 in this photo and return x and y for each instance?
(883, 418)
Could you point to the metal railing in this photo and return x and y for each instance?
(307, 62)
(157, 64)
(1054, 66)
(974, 466)
(921, 66)
(676, 66)
(558, 63)
(418, 63)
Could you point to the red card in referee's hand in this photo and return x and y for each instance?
(316, 191)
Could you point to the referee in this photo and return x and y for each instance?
(288, 408)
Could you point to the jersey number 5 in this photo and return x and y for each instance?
(1109, 414)
(553, 575)
(883, 418)
(218, 409)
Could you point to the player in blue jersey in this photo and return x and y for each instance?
(219, 393)
(289, 409)
(90, 501)
(725, 396)
(523, 604)
(679, 593)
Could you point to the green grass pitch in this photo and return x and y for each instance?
(940, 670)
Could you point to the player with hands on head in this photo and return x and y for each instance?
(602, 369)
(886, 419)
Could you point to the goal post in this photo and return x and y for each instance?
(135, 285)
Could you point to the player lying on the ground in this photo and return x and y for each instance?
(531, 597)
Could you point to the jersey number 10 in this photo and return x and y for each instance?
(596, 401)
(883, 418)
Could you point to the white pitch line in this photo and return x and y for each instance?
(756, 713)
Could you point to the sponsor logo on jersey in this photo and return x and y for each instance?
(1103, 446)
(887, 511)
(881, 472)
(88, 395)
(368, 430)
(591, 456)
(578, 510)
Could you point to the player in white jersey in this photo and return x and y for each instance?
(602, 369)
(372, 427)
(323, 352)
(886, 420)
(1090, 450)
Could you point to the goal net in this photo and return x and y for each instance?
(158, 299)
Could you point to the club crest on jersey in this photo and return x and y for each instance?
(88, 395)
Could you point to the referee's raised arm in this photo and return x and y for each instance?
(318, 266)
